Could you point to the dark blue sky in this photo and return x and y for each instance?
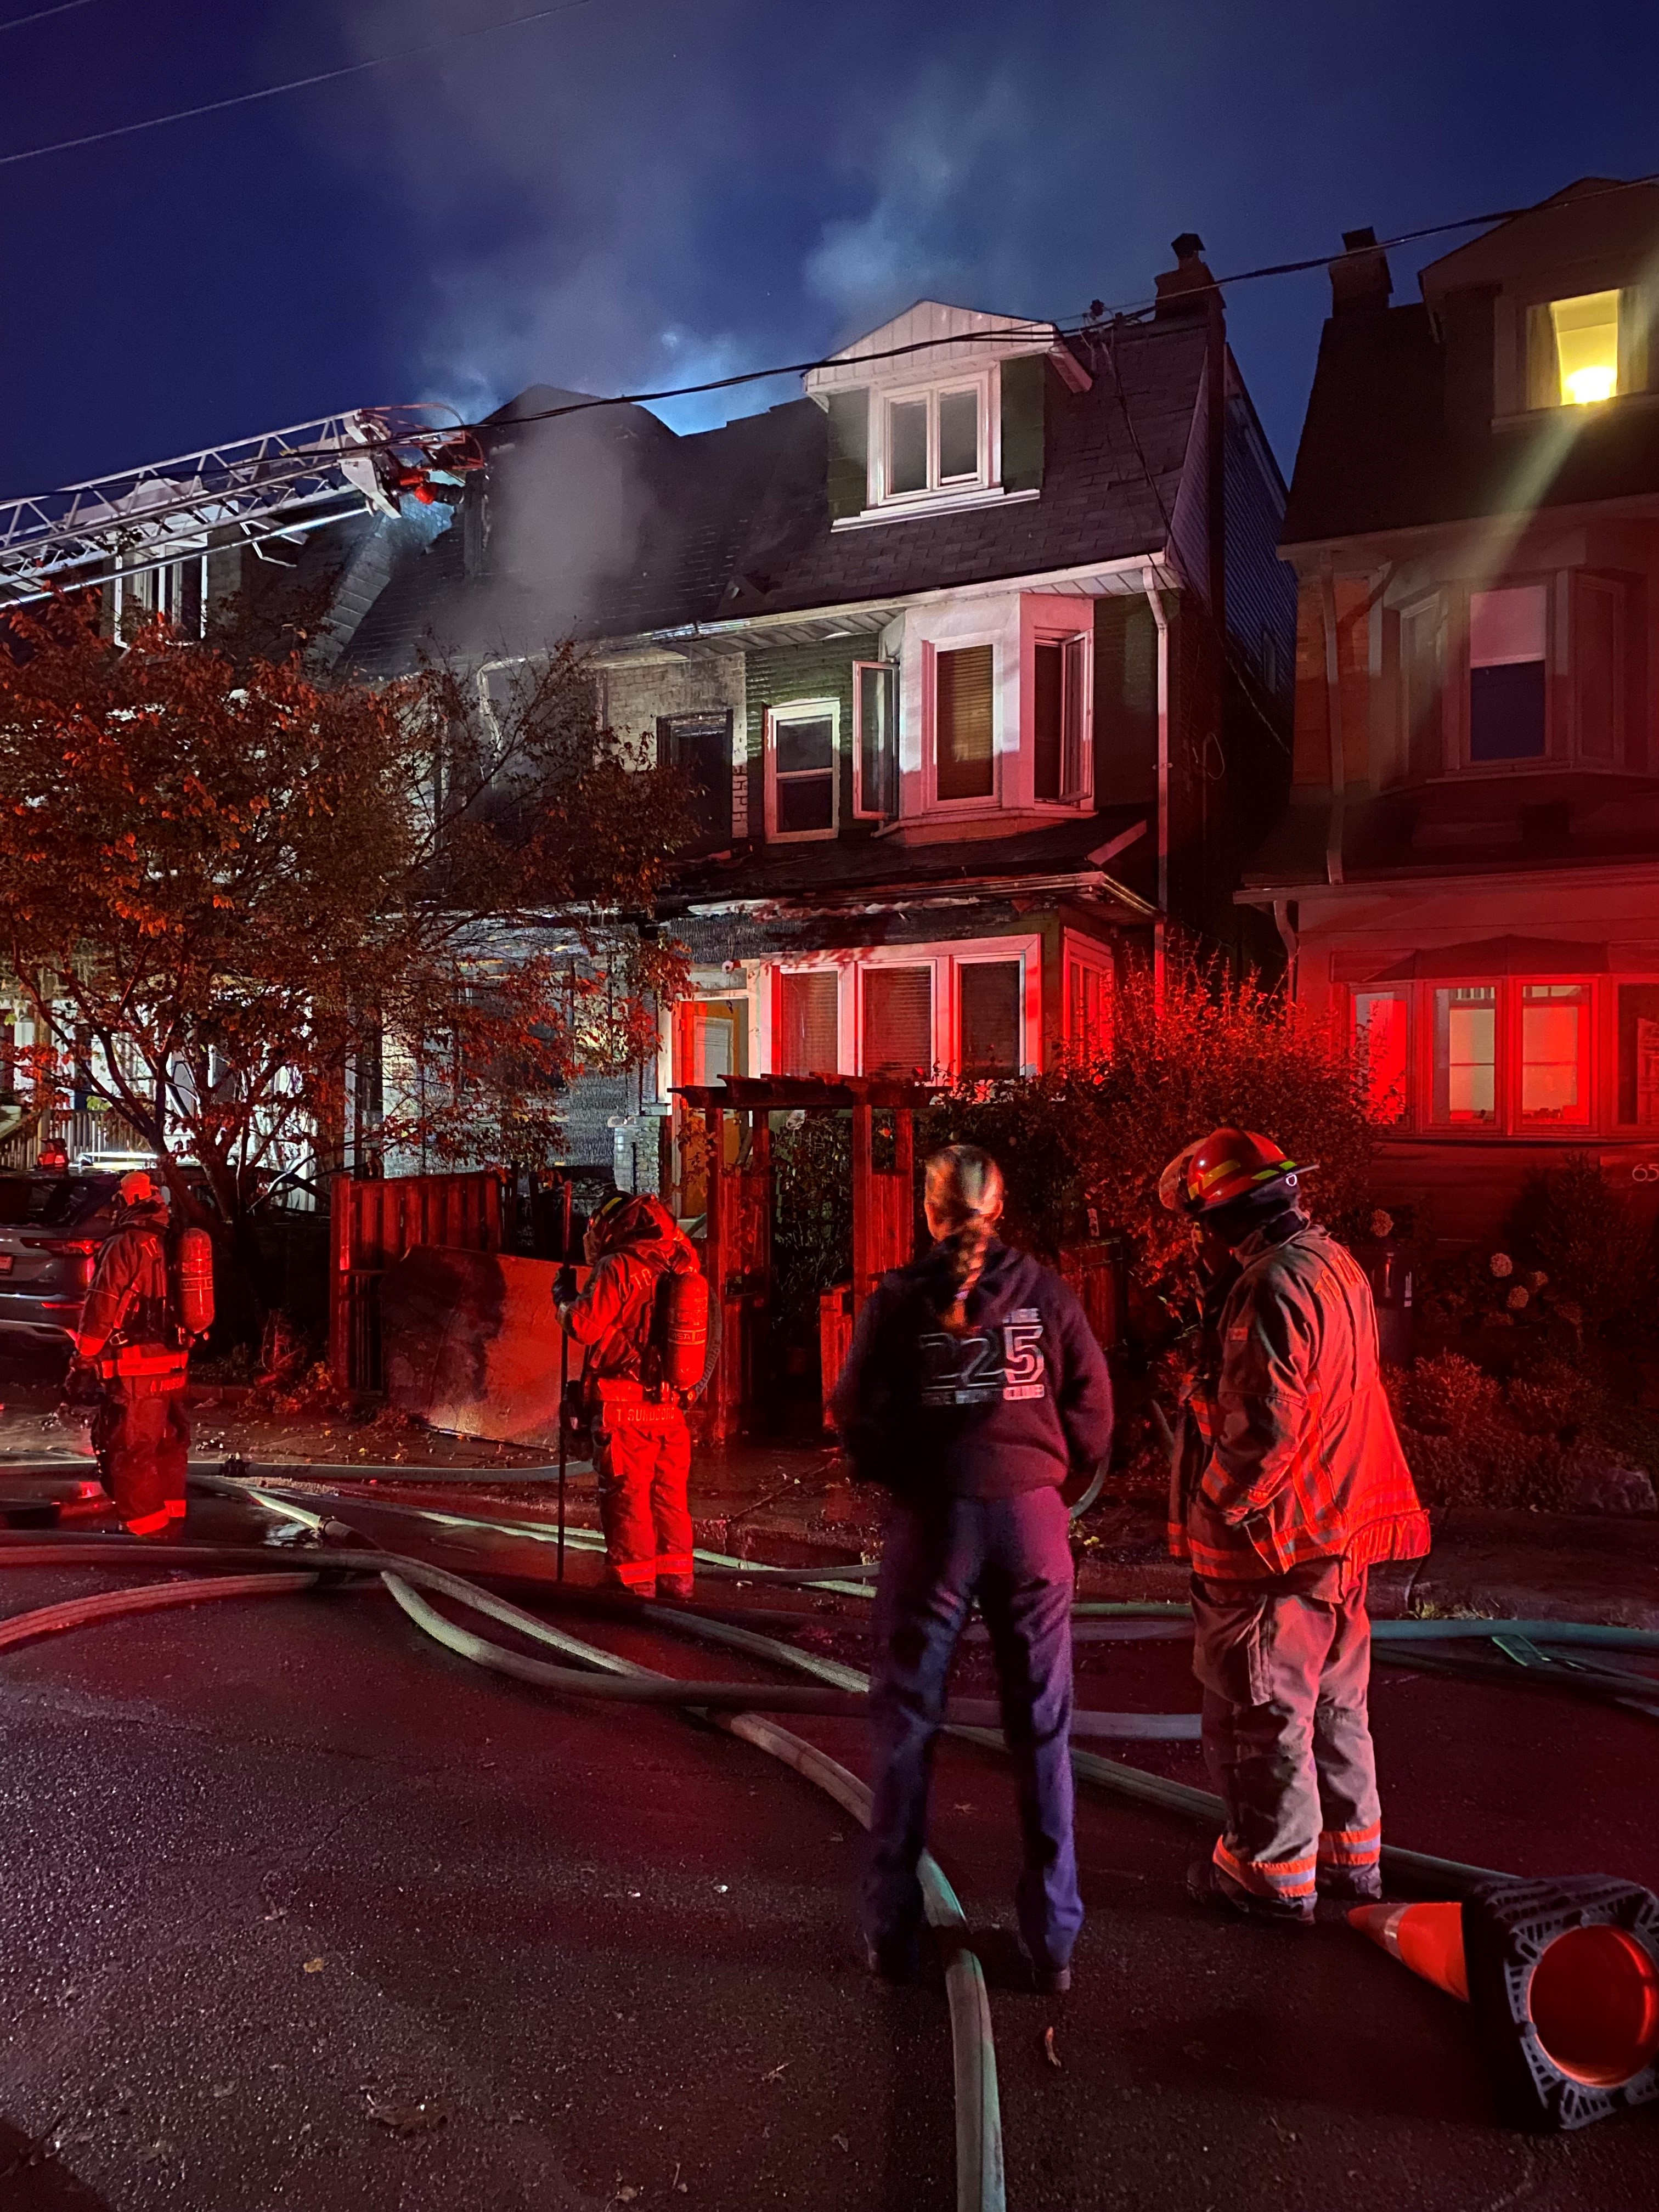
(641, 192)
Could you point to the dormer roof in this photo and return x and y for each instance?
(932, 339)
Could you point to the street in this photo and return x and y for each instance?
(302, 1911)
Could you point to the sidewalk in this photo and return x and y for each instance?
(791, 1506)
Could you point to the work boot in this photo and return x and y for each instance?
(614, 1586)
(675, 1586)
(894, 1959)
(1214, 1892)
(1048, 1981)
(1361, 1885)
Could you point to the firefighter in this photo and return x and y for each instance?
(641, 1438)
(1288, 1483)
(974, 1385)
(131, 1338)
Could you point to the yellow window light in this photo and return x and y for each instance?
(1587, 346)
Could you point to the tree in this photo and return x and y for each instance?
(223, 886)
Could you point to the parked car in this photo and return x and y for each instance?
(51, 1228)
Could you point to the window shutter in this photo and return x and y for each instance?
(849, 453)
(1024, 382)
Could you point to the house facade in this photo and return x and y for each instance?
(976, 657)
(1469, 870)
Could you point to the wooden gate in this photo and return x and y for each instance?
(372, 1224)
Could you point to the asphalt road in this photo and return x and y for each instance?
(300, 1911)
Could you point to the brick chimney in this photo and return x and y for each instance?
(1360, 282)
(1189, 288)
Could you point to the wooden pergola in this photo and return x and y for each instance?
(738, 1256)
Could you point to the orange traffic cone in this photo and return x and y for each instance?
(1427, 1938)
(1573, 1999)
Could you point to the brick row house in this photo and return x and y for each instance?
(1468, 869)
(977, 657)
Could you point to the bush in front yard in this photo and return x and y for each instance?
(1548, 1438)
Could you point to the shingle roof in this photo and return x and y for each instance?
(605, 524)
(1380, 449)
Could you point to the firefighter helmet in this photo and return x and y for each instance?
(1227, 1164)
(140, 1188)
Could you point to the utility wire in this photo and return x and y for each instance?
(63, 8)
(272, 91)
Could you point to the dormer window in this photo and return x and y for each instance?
(935, 441)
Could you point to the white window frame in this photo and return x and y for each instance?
(1085, 952)
(988, 474)
(931, 649)
(802, 710)
(1045, 627)
(945, 961)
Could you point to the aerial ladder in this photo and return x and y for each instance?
(283, 485)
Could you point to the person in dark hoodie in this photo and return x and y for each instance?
(973, 1387)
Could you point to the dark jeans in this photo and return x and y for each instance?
(1012, 1554)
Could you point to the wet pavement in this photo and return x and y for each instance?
(302, 1911)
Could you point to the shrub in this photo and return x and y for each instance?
(1594, 1249)
(1097, 1132)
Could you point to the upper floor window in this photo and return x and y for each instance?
(1506, 673)
(801, 779)
(931, 441)
(1059, 677)
(964, 724)
(1572, 349)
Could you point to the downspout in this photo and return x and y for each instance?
(1334, 721)
(1148, 584)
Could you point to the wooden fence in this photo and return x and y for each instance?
(374, 1223)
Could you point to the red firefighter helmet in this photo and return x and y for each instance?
(1227, 1164)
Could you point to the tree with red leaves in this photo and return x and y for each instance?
(226, 888)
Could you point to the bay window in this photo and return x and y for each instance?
(808, 1022)
(991, 997)
(898, 1022)
(1506, 673)
(1381, 1021)
(1637, 1027)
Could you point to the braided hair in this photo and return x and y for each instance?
(964, 1193)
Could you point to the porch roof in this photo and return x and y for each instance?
(782, 1094)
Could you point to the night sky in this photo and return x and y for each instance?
(637, 193)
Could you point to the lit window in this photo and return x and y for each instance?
(1586, 346)
(898, 1021)
(1638, 1054)
(807, 1037)
(935, 441)
(1381, 1028)
(991, 1025)
(964, 758)
(1059, 703)
(1466, 1054)
(1555, 1052)
(1506, 673)
(801, 770)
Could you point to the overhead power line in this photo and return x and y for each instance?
(63, 8)
(275, 91)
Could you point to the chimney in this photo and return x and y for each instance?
(1189, 288)
(1360, 282)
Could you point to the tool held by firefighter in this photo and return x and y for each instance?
(1287, 1484)
(148, 1304)
(643, 1322)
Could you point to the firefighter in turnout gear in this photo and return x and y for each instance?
(132, 1339)
(641, 1263)
(1288, 1483)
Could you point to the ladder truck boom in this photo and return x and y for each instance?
(280, 484)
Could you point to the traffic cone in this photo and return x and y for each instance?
(1427, 1938)
(1563, 1979)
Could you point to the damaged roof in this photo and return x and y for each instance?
(604, 523)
